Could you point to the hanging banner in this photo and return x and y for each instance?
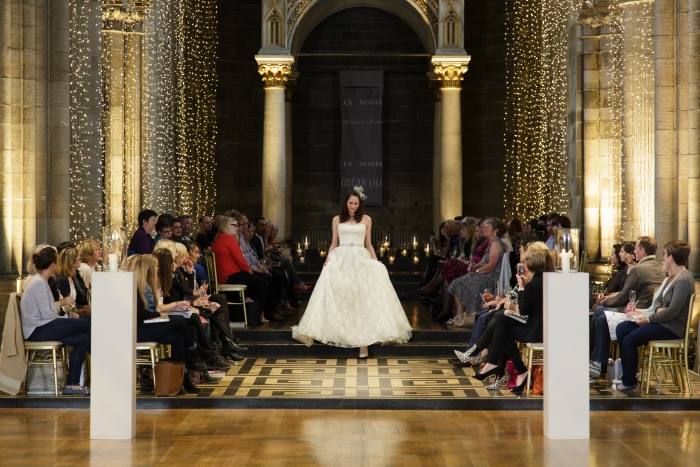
(361, 118)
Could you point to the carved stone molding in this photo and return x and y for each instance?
(450, 70)
(275, 70)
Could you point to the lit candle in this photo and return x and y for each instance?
(306, 243)
(381, 251)
(386, 244)
(416, 260)
(391, 260)
(566, 260)
(322, 253)
(113, 263)
(299, 252)
(302, 259)
(404, 252)
(427, 249)
(415, 242)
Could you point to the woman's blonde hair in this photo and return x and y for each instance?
(31, 269)
(167, 245)
(145, 268)
(65, 262)
(225, 226)
(180, 252)
(539, 259)
(87, 248)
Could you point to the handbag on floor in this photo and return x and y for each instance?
(169, 378)
(510, 369)
(538, 380)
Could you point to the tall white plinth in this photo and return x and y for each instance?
(566, 398)
(113, 357)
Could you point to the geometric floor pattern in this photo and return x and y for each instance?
(376, 378)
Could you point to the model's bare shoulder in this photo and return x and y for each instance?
(366, 219)
(336, 220)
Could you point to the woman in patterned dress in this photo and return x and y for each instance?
(467, 289)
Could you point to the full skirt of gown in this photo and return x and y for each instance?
(353, 303)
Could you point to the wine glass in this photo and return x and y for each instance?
(633, 296)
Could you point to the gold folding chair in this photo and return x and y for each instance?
(671, 354)
(31, 348)
(222, 288)
(149, 359)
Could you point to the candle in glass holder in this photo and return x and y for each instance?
(322, 253)
(299, 252)
(306, 243)
(302, 259)
(113, 263)
(566, 260)
(415, 242)
(391, 260)
(416, 259)
(427, 249)
(404, 252)
(381, 251)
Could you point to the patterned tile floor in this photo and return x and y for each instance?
(374, 378)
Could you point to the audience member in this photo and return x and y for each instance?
(40, 321)
(205, 226)
(90, 254)
(141, 242)
(70, 284)
(164, 228)
(552, 222)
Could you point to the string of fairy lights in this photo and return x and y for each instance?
(638, 118)
(536, 118)
(166, 76)
(86, 206)
(611, 128)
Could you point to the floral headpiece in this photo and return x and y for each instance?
(360, 192)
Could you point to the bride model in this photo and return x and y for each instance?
(353, 303)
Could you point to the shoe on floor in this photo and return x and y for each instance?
(594, 369)
(189, 386)
(235, 357)
(208, 379)
(67, 391)
(619, 387)
(193, 364)
(218, 364)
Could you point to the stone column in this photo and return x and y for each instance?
(638, 119)
(450, 71)
(693, 130)
(591, 142)
(665, 195)
(274, 70)
(286, 229)
(437, 127)
(23, 130)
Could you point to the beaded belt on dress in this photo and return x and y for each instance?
(352, 244)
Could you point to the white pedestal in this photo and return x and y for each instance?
(113, 365)
(566, 358)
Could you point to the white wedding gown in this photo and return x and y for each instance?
(353, 303)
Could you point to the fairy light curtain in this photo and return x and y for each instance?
(536, 106)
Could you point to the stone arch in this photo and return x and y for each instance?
(310, 17)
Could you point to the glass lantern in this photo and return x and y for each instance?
(114, 242)
(566, 250)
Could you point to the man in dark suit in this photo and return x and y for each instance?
(257, 240)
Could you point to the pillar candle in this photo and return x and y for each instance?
(113, 263)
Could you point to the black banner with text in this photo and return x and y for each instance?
(361, 149)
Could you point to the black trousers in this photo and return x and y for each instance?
(173, 332)
(257, 288)
(431, 270)
(506, 332)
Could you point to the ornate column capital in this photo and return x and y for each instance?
(275, 69)
(450, 69)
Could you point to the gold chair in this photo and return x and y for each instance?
(222, 288)
(672, 354)
(151, 360)
(583, 264)
(34, 346)
(534, 353)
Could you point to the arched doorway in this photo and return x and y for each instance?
(363, 38)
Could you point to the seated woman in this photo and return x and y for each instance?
(173, 332)
(91, 254)
(40, 322)
(467, 289)
(438, 249)
(272, 255)
(507, 331)
(456, 267)
(70, 284)
(164, 228)
(286, 262)
(232, 267)
(275, 285)
(483, 327)
(667, 319)
(195, 257)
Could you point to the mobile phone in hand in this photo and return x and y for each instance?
(521, 269)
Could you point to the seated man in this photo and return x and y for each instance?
(202, 239)
(643, 279)
(164, 229)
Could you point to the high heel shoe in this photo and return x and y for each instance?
(498, 371)
(521, 387)
(463, 356)
(500, 381)
(305, 288)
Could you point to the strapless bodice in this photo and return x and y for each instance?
(351, 234)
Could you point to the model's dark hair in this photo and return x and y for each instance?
(165, 270)
(44, 258)
(345, 214)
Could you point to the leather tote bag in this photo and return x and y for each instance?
(169, 377)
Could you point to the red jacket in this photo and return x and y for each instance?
(229, 257)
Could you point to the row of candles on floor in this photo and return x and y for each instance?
(322, 246)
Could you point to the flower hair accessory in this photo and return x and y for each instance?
(360, 192)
